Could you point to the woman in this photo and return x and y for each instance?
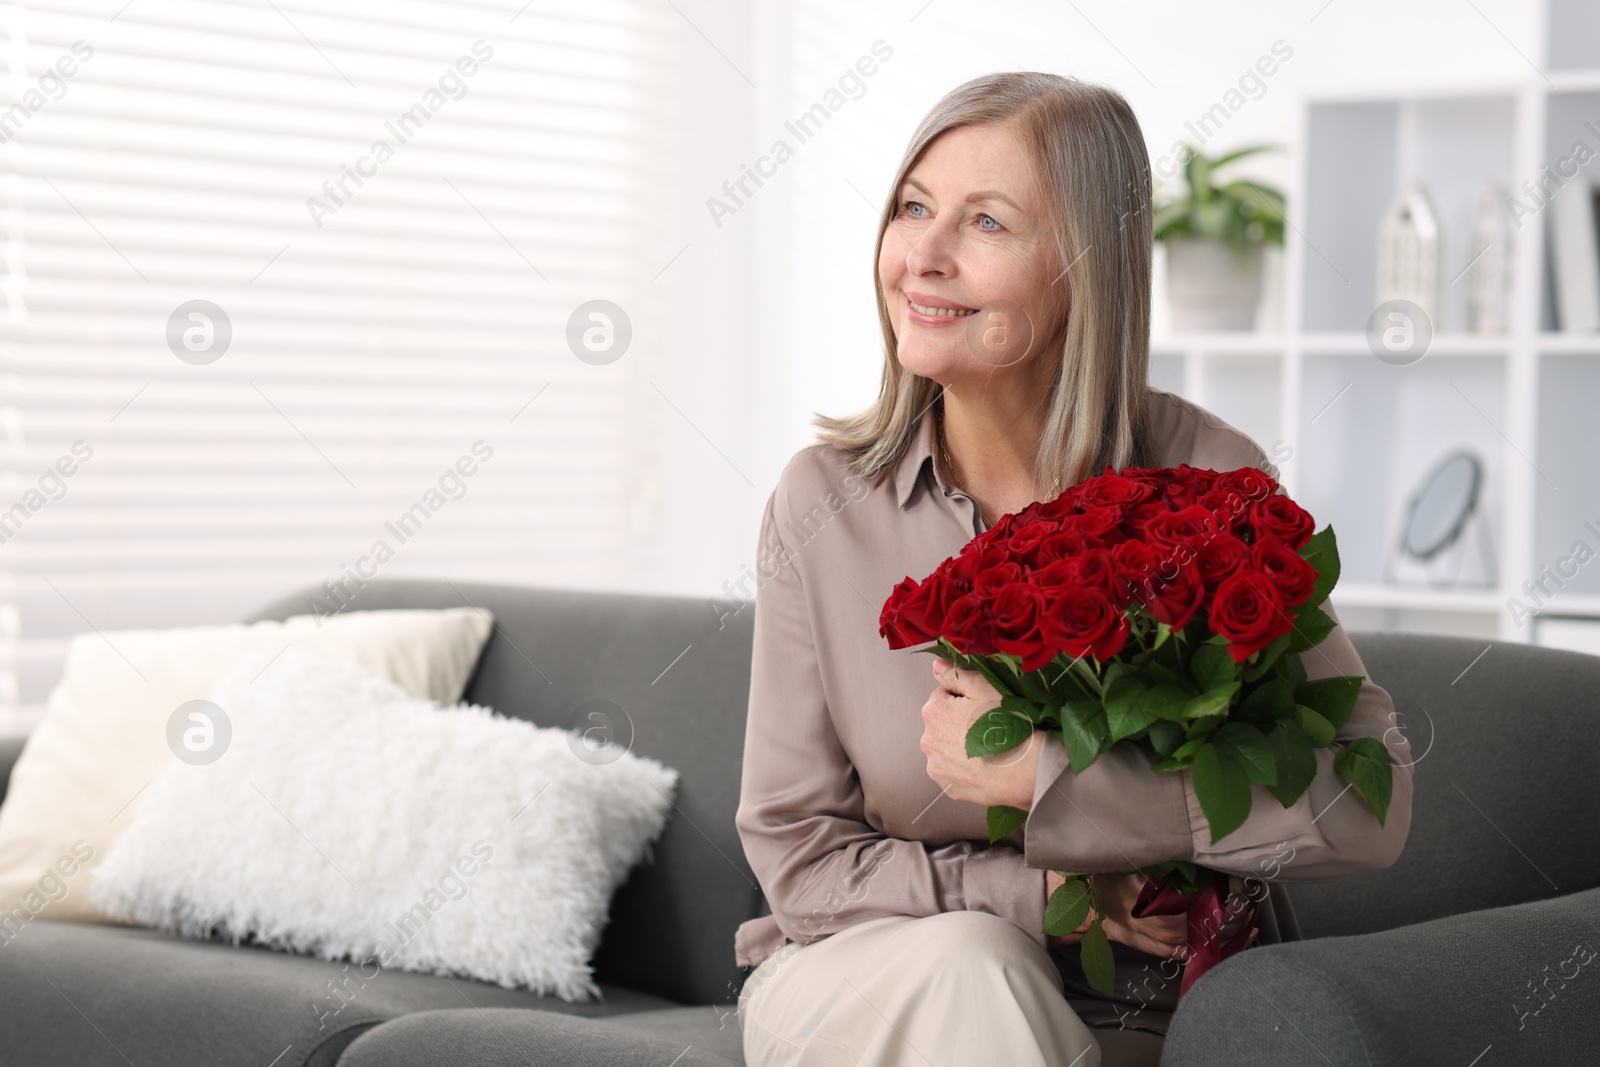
(1013, 290)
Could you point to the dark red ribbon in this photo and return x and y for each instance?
(1207, 911)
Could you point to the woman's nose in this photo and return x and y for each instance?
(932, 252)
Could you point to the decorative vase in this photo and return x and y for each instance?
(1408, 251)
(1212, 284)
(1487, 310)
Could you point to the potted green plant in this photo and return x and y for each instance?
(1214, 236)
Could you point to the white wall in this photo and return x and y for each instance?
(812, 341)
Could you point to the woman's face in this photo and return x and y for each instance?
(968, 267)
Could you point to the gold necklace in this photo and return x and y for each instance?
(938, 425)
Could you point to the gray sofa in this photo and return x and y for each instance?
(1421, 963)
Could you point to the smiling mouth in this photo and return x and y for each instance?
(952, 313)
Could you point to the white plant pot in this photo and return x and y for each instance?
(1211, 285)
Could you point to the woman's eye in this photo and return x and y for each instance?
(907, 205)
(988, 218)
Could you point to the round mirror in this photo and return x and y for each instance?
(1440, 508)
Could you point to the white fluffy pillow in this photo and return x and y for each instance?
(107, 735)
(350, 820)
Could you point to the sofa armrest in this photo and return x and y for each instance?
(10, 749)
(1524, 979)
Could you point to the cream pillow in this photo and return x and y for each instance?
(112, 726)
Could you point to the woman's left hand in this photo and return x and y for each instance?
(957, 701)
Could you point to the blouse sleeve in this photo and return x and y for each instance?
(1122, 813)
(801, 819)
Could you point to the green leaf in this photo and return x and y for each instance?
(1268, 702)
(1322, 552)
(1211, 702)
(1223, 790)
(1296, 760)
(1156, 673)
(1332, 698)
(1268, 657)
(1029, 709)
(1317, 728)
(1163, 631)
(1003, 819)
(1368, 766)
(1245, 746)
(1165, 736)
(1292, 668)
(1067, 907)
(1311, 625)
(1034, 687)
(1128, 717)
(1098, 965)
(1083, 731)
(1212, 667)
(1183, 876)
(995, 731)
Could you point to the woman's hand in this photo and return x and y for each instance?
(1166, 936)
(957, 701)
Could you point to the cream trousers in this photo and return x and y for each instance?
(956, 989)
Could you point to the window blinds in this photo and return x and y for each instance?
(275, 275)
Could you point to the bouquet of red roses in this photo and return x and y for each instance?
(1165, 608)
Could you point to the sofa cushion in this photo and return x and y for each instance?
(90, 994)
(668, 676)
(1504, 809)
(494, 1037)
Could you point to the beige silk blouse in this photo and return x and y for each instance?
(837, 814)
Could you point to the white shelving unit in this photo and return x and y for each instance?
(1353, 435)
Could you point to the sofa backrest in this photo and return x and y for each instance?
(665, 676)
(1505, 808)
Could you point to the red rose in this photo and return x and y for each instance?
(1095, 522)
(888, 625)
(1251, 483)
(1113, 490)
(1177, 595)
(1062, 545)
(967, 626)
(1080, 621)
(1184, 484)
(1093, 568)
(1231, 509)
(1136, 518)
(1053, 576)
(1283, 519)
(1249, 611)
(1220, 557)
(1135, 567)
(1016, 611)
(989, 583)
(1191, 527)
(969, 565)
(1022, 542)
(1285, 568)
(922, 615)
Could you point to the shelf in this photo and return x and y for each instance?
(1417, 598)
(1232, 343)
(1450, 344)
(1569, 344)
(1571, 606)
(1339, 343)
